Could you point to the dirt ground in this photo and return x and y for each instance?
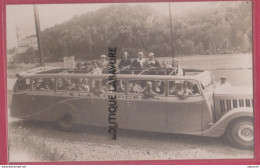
(37, 141)
(34, 141)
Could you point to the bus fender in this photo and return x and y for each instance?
(64, 108)
(221, 125)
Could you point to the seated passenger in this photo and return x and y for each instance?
(121, 87)
(23, 85)
(75, 84)
(135, 87)
(84, 86)
(179, 90)
(37, 84)
(148, 92)
(125, 62)
(60, 84)
(79, 66)
(157, 87)
(103, 63)
(96, 68)
(48, 84)
(178, 71)
(165, 64)
(139, 62)
(88, 67)
(152, 63)
(99, 88)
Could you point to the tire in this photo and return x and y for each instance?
(65, 123)
(240, 133)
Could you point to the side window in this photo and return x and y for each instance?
(146, 87)
(183, 88)
(24, 84)
(73, 84)
(41, 84)
(105, 86)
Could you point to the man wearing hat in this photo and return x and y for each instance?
(152, 63)
(103, 63)
(223, 82)
(178, 71)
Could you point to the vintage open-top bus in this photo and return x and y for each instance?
(59, 95)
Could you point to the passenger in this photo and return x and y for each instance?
(125, 62)
(223, 82)
(65, 83)
(131, 87)
(60, 84)
(84, 86)
(109, 87)
(135, 87)
(37, 84)
(148, 92)
(103, 63)
(157, 87)
(88, 67)
(121, 87)
(96, 68)
(48, 84)
(99, 88)
(139, 62)
(189, 87)
(179, 90)
(23, 85)
(152, 63)
(178, 71)
(79, 66)
(69, 84)
(165, 64)
(75, 84)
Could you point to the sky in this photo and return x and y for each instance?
(22, 16)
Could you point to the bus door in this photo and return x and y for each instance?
(184, 107)
(146, 105)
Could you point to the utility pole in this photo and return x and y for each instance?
(38, 33)
(172, 46)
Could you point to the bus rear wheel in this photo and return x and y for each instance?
(65, 123)
(241, 133)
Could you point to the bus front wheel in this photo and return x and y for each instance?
(241, 133)
(65, 123)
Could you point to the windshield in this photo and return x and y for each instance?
(206, 81)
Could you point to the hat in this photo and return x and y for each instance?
(103, 56)
(151, 54)
(174, 59)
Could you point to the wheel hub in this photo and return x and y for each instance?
(246, 132)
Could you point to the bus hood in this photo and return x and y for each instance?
(233, 90)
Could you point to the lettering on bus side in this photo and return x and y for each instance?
(112, 103)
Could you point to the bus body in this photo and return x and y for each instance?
(211, 111)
